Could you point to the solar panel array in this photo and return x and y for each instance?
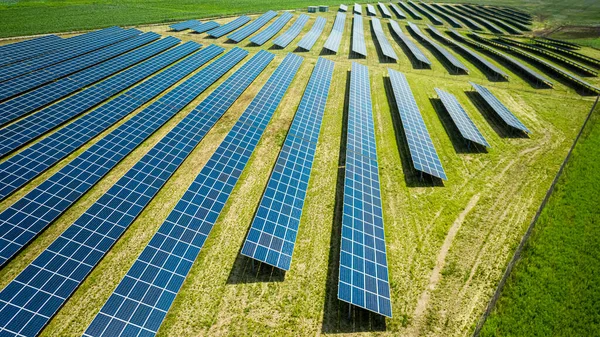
(273, 29)
(490, 26)
(568, 52)
(434, 19)
(205, 27)
(400, 14)
(308, 41)
(491, 20)
(286, 38)
(229, 27)
(385, 45)
(252, 27)
(500, 109)
(412, 47)
(21, 222)
(272, 235)
(410, 11)
(335, 37)
(90, 237)
(452, 21)
(21, 168)
(422, 152)
(358, 36)
(75, 80)
(184, 25)
(514, 21)
(458, 66)
(384, 11)
(363, 275)
(450, 11)
(357, 9)
(371, 10)
(459, 116)
(343, 8)
(144, 296)
(25, 130)
(18, 51)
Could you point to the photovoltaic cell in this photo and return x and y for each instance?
(459, 116)
(335, 37)
(184, 25)
(385, 45)
(384, 11)
(272, 235)
(205, 27)
(358, 36)
(22, 221)
(21, 168)
(252, 27)
(13, 52)
(412, 47)
(308, 41)
(458, 66)
(371, 10)
(357, 9)
(274, 28)
(363, 276)
(422, 151)
(500, 109)
(284, 39)
(161, 268)
(229, 27)
(105, 221)
(400, 14)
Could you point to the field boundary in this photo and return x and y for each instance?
(525, 238)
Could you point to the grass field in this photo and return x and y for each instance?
(26, 17)
(554, 288)
(447, 245)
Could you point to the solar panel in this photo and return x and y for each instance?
(371, 10)
(184, 25)
(286, 38)
(11, 52)
(335, 37)
(490, 26)
(274, 28)
(400, 14)
(491, 19)
(79, 249)
(165, 262)
(21, 168)
(308, 41)
(343, 8)
(385, 45)
(451, 11)
(520, 24)
(452, 21)
(229, 27)
(357, 9)
(205, 27)
(252, 27)
(420, 145)
(22, 221)
(459, 116)
(24, 67)
(500, 109)
(93, 66)
(358, 36)
(363, 276)
(453, 61)
(272, 235)
(384, 11)
(568, 52)
(410, 11)
(434, 19)
(27, 129)
(412, 47)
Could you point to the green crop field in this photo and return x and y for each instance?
(447, 244)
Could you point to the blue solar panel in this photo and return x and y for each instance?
(106, 220)
(25, 130)
(274, 28)
(357, 9)
(229, 27)
(26, 165)
(273, 232)
(252, 27)
(410, 11)
(335, 37)
(459, 116)
(434, 19)
(308, 41)
(165, 262)
(500, 109)
(21, 68)
(385, 45)
(184, 25)
(284, 39)
(420, 145)
(50, 92)
(363, 278)
(453, 61)
(358, 36)
(34, 212)
(205, 27)
(412, 47)
(13, 52)
(384, 11)
(400, 14)
(371, 10)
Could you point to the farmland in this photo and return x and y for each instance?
(447, 243)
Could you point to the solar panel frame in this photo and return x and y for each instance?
(384, 44)
(205, 27)
(251, 28)
(190, 222)
(272, 235)
(499, 108)
(384, 11)
(335, 37)
(399, 13)
(289, 35)
(422, 151)
(358, 36)
(461, 119)
(453, 61)
(274, 28)
(412, 47)
(309, 40)
(229, 27)
(371, 10)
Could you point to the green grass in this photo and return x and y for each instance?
(555, 286)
